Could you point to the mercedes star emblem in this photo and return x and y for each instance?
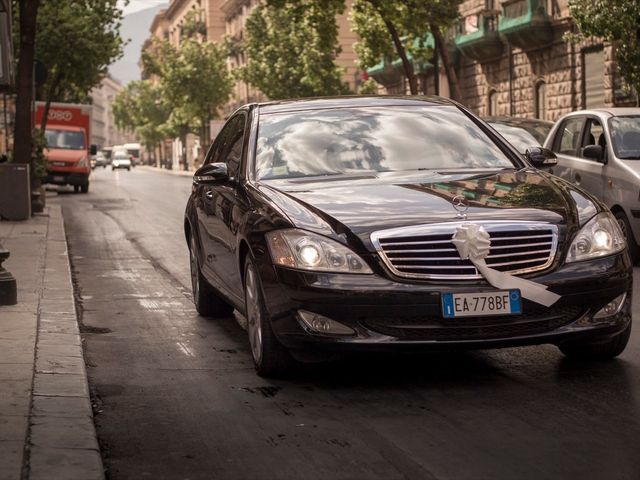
(461, 206)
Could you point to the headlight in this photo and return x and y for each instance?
(601, 236)
(83, 162)
(308, 251)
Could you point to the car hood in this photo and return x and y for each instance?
(361, 205)
(64, 155)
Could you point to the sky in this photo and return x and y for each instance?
(137, 5)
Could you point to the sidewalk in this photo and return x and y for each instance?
(46, 422)
(182, 173)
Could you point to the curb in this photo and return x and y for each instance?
(62, 436)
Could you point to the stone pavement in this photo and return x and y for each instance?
(46, 421)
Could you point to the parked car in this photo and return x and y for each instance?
(599, 150)
(348, 224)
(522, 133)
(121, 160)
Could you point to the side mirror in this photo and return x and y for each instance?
(93, 150)
(594, 152)
(211, 173)
(541, 157)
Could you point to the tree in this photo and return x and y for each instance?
(23, 144)
(195, 83)
(616, 21)
(391, 28)
(77, 41)
(291, 47)
(139, 107)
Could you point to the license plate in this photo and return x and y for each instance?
(502, 302)
(59, 164)
(58, 178)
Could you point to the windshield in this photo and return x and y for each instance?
(516, 136)
(625, 135)
(361, 140)
(65, 140)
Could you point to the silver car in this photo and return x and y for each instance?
(599, 150)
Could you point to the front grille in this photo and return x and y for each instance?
(428, 252)
(535, 319)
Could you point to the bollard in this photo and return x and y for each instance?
(8, 286)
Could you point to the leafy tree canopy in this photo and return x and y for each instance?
(616, 21)
(291, 47)
(77, 41)
(194, 79)
(139, 107)
(398, 29)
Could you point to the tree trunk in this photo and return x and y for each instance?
(400, 50)
(23, 144)
(47, 101)
(183, 149)
(454, 87)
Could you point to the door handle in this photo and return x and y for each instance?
(209, 194)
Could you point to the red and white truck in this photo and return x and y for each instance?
(68, 134)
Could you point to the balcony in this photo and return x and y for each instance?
(479, 39)
(525, 24)
(385, 74)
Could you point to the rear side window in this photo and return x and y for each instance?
(568, 137)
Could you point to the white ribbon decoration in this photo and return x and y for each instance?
(473, 242)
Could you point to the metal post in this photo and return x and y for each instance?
(8, 286)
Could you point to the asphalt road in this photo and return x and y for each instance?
(177, 397)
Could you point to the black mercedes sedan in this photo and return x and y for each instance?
(368, 223)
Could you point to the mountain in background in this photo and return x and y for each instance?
(135, 29)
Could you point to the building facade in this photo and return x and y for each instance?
(512, 58)
(104, 132)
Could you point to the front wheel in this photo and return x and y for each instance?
(598, 351)
(623, 222)
(84, 188)
(270, 358)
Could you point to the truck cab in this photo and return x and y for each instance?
(68, 150)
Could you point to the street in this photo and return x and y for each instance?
(176, 396)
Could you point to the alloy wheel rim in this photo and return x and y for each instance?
(254, 315)
(623, 227)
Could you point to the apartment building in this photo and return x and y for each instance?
(104, 132)
(512, 59)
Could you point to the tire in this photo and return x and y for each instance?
(270, 358)
(113, 169)
(598, 351)
(84, 188)
(623, 222)
(128, 169)
(76, 188)
(206, 299)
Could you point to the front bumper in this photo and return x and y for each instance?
(390, 314)
(66, 178)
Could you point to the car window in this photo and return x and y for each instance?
(568, 136)
(593, 135)
(228, 145)
(516, 136)
(369, 139)
(625, 135)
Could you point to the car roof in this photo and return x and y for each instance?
(350, 101)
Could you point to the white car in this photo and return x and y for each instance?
(599, 150)
(121, 160)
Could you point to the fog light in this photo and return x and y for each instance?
(611, 308)
(319, 324)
